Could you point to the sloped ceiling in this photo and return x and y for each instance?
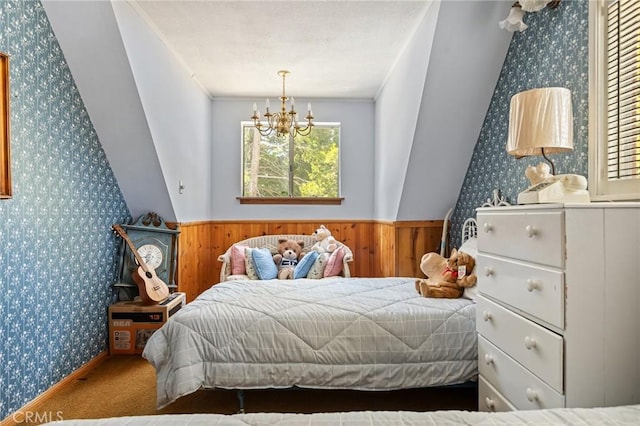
(462, 75)
(334, 49)
(88, 34)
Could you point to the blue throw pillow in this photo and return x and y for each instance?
(266, 268)
(302, 268)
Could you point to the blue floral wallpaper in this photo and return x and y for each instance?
(58, 252)
(552, 52)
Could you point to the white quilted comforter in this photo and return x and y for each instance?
(333, 333)
(618, 416)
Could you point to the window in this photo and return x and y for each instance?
(288, 167)
(614, 137)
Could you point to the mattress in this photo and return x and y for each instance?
(625, 415)
(332, 333)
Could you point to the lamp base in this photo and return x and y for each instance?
(553, 191)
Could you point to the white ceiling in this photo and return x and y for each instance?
(334, 49)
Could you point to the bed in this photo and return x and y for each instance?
(337, 332)
(624, 415)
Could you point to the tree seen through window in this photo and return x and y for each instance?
(301, 166)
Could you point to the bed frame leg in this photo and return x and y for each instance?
(240, 394)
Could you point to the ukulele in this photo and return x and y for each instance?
(151, 288)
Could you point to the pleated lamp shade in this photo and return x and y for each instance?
(540, 122)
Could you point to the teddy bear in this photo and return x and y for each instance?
(289, 253)
(325, 243)
(446, 278)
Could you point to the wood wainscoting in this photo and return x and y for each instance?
(379, 248)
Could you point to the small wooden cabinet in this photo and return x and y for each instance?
(558, 316)
(131, 323)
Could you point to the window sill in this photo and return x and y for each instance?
(291, 200)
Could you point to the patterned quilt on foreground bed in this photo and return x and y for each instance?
(332, 333)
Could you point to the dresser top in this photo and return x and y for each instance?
(554, 206)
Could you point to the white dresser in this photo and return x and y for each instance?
(559, 306)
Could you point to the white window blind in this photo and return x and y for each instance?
(623, 90)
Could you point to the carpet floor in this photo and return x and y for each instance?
(125, 386)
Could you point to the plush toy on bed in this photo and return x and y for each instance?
(325, 243)
(446, 278)
(289, 253)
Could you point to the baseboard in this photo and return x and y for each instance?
(29, 413)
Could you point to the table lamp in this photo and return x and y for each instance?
(541, 123)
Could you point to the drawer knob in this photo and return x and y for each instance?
(531, 231)
(530, 342)
(532, 395)
(488, 271)
(488, 359)
(489, 402)
(532, 285)
(487, 227)
(486, 315)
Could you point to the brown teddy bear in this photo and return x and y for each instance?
(289, 253)
(446, 278)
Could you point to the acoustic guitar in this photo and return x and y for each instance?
(151, 288)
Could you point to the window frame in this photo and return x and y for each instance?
(291, 199)
(5, 134)
(600, 187)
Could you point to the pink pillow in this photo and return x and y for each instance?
(237, 259)
(334, 265)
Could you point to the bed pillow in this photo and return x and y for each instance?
(317, 270)
(249, 265)
(266, 268)
(302, 268)
(238, 260)
(471, 247)
(334, 264)
(241, 277)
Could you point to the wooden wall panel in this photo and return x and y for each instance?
(413, 239)
(384, 254)
(364, 244)
(379, 248)
(195, 258)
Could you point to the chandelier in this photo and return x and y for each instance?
(282, 122)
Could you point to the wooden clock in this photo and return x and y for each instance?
(157, 244)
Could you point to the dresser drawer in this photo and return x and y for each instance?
(533, 290)
(535, 347)
(532, 236)
(489, 399)
(524, 390)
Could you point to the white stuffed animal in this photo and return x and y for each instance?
(325, 243)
